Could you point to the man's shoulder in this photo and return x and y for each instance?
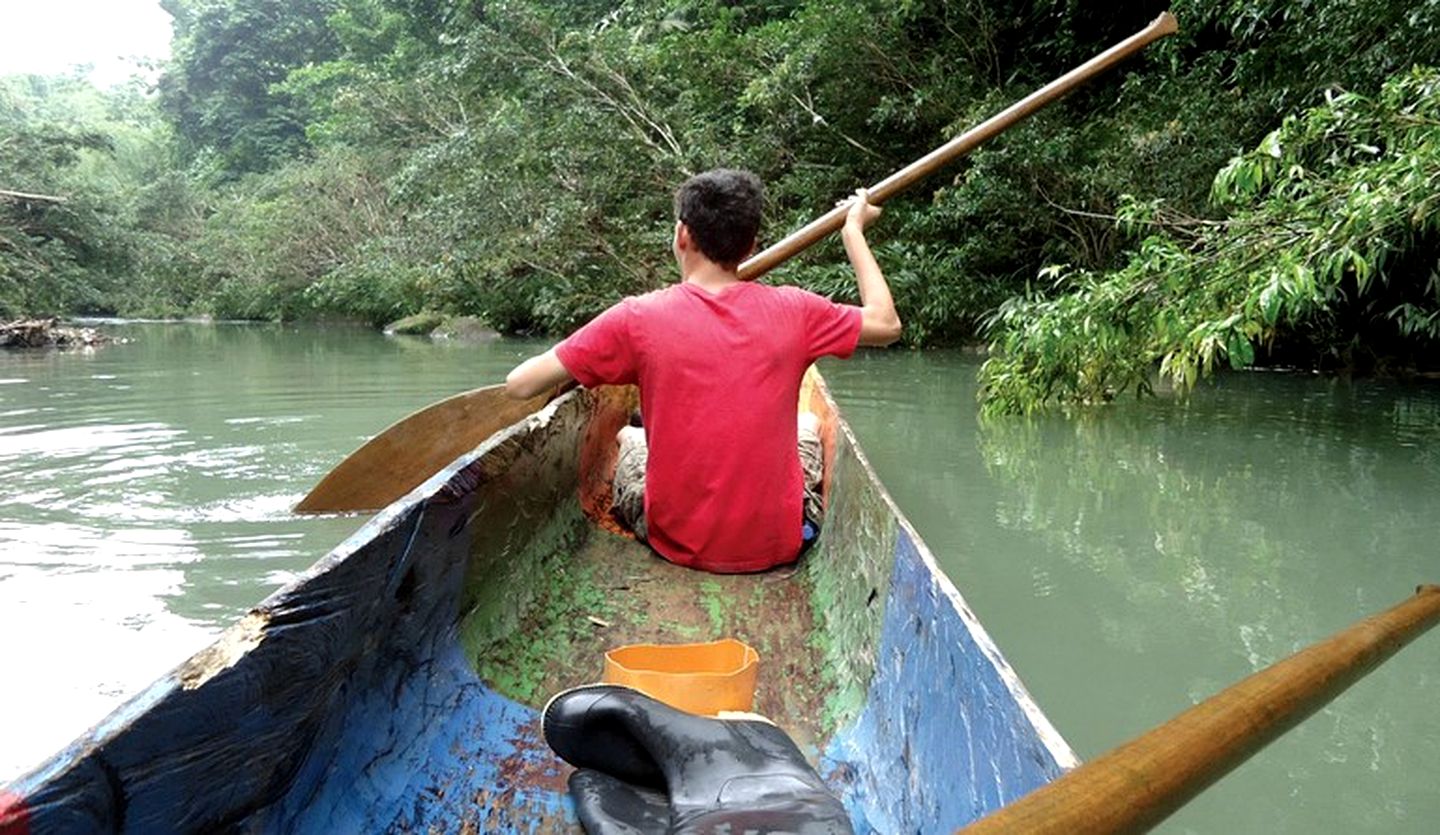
(790, 294)
(674, 300)
(653, 299)
(630, 306)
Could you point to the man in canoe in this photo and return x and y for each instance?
(719, 363)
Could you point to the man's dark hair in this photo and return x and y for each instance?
(722, 209)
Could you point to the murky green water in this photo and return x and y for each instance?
(1128, 565)
(1134, 563)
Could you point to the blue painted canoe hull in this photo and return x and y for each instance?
(377, 693)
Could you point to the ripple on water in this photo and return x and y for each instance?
(74, 545)
(282, 420)
(47, 440)
(114, 626)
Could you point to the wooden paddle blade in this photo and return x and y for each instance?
(414, 448)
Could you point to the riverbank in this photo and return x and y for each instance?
(440, 326)
(48, 333)
(437, 326)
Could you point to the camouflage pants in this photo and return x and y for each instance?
(629, 488)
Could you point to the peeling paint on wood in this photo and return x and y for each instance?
(221, 655)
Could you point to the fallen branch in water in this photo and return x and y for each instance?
(47, 333)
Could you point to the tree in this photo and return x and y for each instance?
(1327, 257)
(221, 88)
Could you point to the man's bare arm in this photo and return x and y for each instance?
(536, 375)
(880, 323)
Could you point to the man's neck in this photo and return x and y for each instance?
(710, 276)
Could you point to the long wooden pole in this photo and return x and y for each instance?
(1139, 784)
(802, 239)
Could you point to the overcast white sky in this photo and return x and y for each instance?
(51, 36)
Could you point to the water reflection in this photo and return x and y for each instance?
(1217, 508)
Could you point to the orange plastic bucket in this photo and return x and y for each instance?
(699, 678)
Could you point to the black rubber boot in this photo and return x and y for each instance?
(588, 728)
(608, 806)
(720, 776)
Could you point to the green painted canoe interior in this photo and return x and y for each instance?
(850, 576)
(548, 592)
(612, 591)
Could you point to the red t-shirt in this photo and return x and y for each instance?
(719, 378)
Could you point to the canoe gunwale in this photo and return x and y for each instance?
(1054, 742)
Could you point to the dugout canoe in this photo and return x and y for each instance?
(396, 686)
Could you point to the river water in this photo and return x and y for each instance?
(1129, 563)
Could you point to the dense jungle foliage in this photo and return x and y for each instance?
(1261, 188)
